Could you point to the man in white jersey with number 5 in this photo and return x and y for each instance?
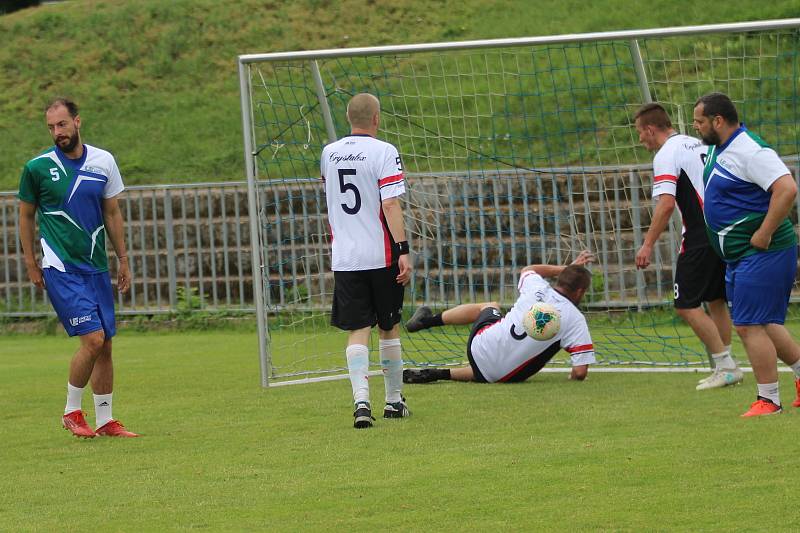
(749, 195)
(370, 257)
(699, 272)
(498, 349)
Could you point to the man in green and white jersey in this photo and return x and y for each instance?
(73, 189)
(749, 193)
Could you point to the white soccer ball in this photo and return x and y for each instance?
(542, 321)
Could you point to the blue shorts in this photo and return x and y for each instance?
(758, 287)
(83, 302)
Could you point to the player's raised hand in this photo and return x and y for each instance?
(643, 256)
(584, 258)
(404, 263)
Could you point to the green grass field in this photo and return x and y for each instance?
(617, 452)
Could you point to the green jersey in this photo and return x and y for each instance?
(737, 177)
(69, 194)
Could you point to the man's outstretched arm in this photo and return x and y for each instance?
(552, 271)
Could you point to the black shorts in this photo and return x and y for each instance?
(487, 317)
(364, 298)
(699, 277)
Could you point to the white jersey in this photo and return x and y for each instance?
(678, 172)
(360, 172)
(503, 350)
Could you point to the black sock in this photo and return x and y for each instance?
(432, 321)
(442, 373)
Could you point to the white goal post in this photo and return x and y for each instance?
(516, 151)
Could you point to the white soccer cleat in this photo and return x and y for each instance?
(700, 382)
(721, 377)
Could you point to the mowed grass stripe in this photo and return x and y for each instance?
(622, 452)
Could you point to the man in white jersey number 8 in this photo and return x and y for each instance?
(498, 349)
(699, 272)
(370, 254)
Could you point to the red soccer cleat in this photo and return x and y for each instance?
(762, 407)
(796, 402)
(74, 422)
(114, 428)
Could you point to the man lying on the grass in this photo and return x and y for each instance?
(498, 348)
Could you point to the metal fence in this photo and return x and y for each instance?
(188, 247)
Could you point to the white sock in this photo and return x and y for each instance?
(723, 360)
(74, 396)
(796, 368)
(102, 409)
(392, 363)
(770, 392)
(358, 367)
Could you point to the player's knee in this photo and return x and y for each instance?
(94, 343)
(745, 331)
(385, 334)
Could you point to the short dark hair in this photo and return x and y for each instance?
(70, 104)
(574, 278)
(655, 115)
(718, 104)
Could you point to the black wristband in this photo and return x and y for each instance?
(402, 248)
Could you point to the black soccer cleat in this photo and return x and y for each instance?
(415, 322)
(420, 375)
(362, 416)
(396, 409)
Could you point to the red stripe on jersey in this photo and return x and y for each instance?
(581, 348)
(523, 276)
(665, 177)
(387, 243)
(516, 370)
(390, 180)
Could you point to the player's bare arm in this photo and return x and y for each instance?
(579, 372)
(663, 211)
(552, 271)
(112, 217)
(27, 235)
(783, 192)
(394, 219)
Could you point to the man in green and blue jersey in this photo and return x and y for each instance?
(73, 189)
(749, 193)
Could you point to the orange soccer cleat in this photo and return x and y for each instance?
(74, 422)
(114, 428)
(796, 402)
(762, 407)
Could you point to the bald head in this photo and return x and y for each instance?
(362, 111)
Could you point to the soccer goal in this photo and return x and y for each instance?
(516, 151)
